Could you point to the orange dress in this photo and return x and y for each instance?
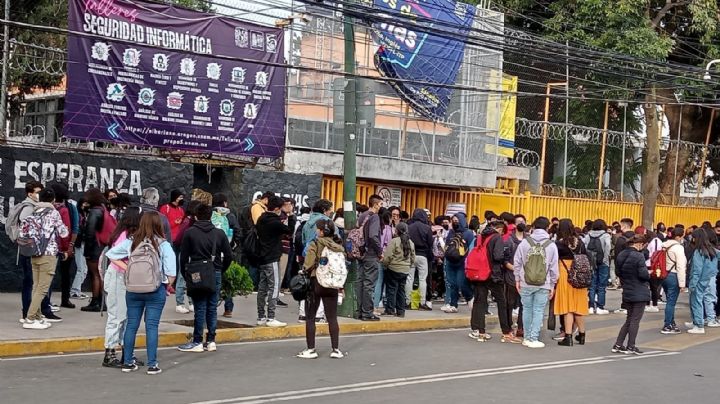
(567, 298)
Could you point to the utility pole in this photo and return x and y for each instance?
(5, 66)
(347, 309)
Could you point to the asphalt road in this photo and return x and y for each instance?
(421, 367)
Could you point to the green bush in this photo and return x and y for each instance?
(236, 281)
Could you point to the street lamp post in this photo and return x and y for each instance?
(707, 75)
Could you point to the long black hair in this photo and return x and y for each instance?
(328, 230)
(129, 222)
(566, 232)
(401, 231)
(701, 243)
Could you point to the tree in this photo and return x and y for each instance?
(681, 31)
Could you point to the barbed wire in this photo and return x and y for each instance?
(35, 58)
(524, 158)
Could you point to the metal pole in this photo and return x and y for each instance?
(347, 309)
(432, 158)
(5, 67)
(601, 172)
(622, 160)
(567, 115)
(677, 155)
(544, 137)
(701, 176)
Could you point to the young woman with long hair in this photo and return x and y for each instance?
(398, 257)
(704, 270)
(570, 302)
(93, 248)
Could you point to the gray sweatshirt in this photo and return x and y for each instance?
(551, 258)
(605, 240)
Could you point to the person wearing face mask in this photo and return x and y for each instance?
(635, 278)
(512, 297)
(174, 211)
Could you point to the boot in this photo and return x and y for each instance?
(567, 341)
(94, 305)
(580, 338)
(110, 360)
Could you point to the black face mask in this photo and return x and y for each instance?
(181, 202)
(456, 226)
(522, 227)
(446, 227)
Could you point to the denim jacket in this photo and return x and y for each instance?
(167, 256)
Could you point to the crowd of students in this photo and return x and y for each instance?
(405, 262)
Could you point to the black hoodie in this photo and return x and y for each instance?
(197, 244)
(421, 234)
(270, 230)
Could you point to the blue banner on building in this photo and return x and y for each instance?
(427, 52)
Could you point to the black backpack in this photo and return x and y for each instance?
(249, 237)
(595, 252)
(456, 249)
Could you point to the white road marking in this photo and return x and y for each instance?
(433, 378)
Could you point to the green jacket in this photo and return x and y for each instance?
(394, 259)
(315, 250)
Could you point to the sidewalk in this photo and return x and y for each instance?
(83, 332)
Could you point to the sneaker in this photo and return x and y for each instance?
(445, 308)
(35, 325)
(191, 308)
(713, 323)
(321, 320)
(191, 347)
(510, 338)
(54, 308)
(261, 321)
(127, 368)
(559, 336)
(308, 354)
(79, 296)
(633, 350)
(601, 312)
(474, 334)
(181, 309)
(52, 318)
(211, 347)
(694, 330)
(137, 362)
(669, 330)
(24, 320)
(280, 303)
(227, 314)
(618, 349)
(273, 323)
(154, 370)
(337, 354)
(111, 361)
(591, 311)
(301, 319)
(651, 309)
(452, 309)
(425, 307)
(620, 311)
(525, 342)
(535, 344)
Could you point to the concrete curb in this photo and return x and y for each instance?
(96, 343)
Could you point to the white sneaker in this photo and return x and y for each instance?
(35, 325)
(275, 323)
(54, 308)
(452, 309)
(591, 311)
(307, 354)
(601, 312)
(23, 320)
(474, 334)
(535, 344)
(181, 310)
(445, 308)
(689, 324)
(525, 342)
(651, 309)
(211, 347)
(696, 330)
(337, 354)
(713, 324)
(191, 308)
(620, 311)
(262, 321)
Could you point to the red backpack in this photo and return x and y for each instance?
(108, 226)
(477, 265)
(658, 264)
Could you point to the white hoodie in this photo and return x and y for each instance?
(677, 262)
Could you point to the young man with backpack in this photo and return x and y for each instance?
(597, 243)
(270, 230)
(536, 273)
(70, 217)
(38, 239)
(457, 243)
(249, 216)
(203, 242)
(369, 222)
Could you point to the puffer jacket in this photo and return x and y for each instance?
(634, 276)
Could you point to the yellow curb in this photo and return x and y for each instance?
(53, 346)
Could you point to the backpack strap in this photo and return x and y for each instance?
(531, 242)
(546, 243)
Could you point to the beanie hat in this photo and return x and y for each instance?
(176, 193)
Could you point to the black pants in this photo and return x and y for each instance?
(655, 287)
(365, 286)
(631, 327)
(395, 292)
(64, 268)
(480, 305)
(329, 298)
(512, 300)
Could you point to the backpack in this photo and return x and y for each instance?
(32, 241)
(536, 265)
(580, 273)
(245, 220)
(595, 252)
(658, 264)
(221, 222)
(12, 225)
(108, 226)
(438, 247)
(144, 269)
(456, 249)
(331, 271)
(251, 244)
(477, 265)
(64, 242)
(355, 242)
(298, 244)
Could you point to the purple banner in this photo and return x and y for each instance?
(162, 84)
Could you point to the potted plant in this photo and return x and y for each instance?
(236, 281)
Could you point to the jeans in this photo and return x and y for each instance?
(81, 270)
(395, 284)
(421, 264)
(672, 291)
(599, 286)
(43, 271)
(632, 324)
(477, 318)
(456, 282)
(206, 313)
(268, 289)
(709, 299)
(380, 286)
(152, 305)
(365, 285)
(27, 288)
(698, 285)
(180, 289)
(254, 275)
(534, 300)
(114, 286)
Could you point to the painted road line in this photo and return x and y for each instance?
(433, 378)
(682, 341)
